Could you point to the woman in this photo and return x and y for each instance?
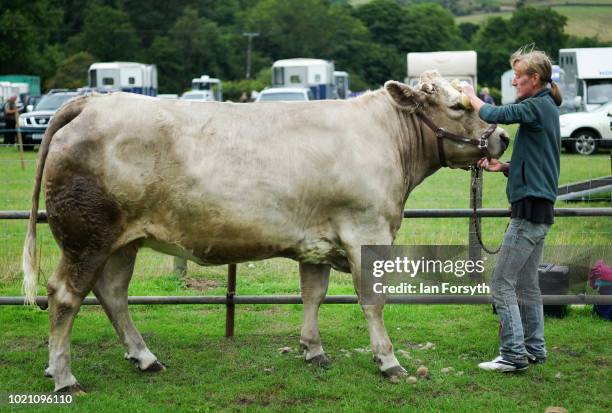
(533, 176)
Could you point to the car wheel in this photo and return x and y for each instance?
(584, 142)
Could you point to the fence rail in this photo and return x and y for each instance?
(408, 213)
(332, 299)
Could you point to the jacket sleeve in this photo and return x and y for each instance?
(507, 114)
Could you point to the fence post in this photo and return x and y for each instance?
(19, 141)
(230, 306)
(180, 266)
(475, 251)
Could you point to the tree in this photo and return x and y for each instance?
(542, 27)
(26, 46)
(467, 30)
(193, 47)
(71, 72)
(107, 34)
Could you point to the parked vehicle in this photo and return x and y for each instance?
(286, 94)
(196, 96)
(32, 83)
(584, 132)
(124, 76)
(314, 74)
(33, 124)
(588, 77)
(210, 87)
(341, 80)
(450, 64)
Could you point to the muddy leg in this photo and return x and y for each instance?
(65, 298)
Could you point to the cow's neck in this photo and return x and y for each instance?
(418, 150)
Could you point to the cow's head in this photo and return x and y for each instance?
(448, 108)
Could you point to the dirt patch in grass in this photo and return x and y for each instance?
(200, 284)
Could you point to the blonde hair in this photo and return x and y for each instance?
(536, 61)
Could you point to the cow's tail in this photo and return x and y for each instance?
(28, 261)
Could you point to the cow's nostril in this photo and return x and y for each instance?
(505, 139)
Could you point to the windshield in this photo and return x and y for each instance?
(193, 96)
(599, 91)
(53, 102)
(267, 97)
(201, 85)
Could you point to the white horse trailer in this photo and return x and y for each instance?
(451, 65)
(212, 88)
(314, 74)
(588, 77)
(124, 76)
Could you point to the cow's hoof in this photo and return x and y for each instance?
(156, 367)
(320, 360)
(75, 389)
(48, 372)
(395, 374)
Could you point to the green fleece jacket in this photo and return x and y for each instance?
(534, 165)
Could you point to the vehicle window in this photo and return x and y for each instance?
(108, 81)
(285, 96)
(93, 74)
(599, 91)
(201, 86)
(279, 76)
(52, 102)
(131, 80)
(295, 79)
(193, 96)
(317, 78)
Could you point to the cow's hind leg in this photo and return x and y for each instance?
(112, 291)
(66, 289)
(85, 222)
(314, 279)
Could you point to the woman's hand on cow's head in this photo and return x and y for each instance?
(468, 90)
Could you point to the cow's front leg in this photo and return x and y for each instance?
(382, 349)
(314, 279)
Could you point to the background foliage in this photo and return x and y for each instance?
(187, 38)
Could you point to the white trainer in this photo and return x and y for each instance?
(502, 365)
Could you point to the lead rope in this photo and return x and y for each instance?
(477, 224)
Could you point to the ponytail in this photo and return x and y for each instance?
(555, 91)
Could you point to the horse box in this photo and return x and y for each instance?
(554, 280)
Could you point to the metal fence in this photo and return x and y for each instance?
(230, 300)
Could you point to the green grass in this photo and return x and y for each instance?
(209, 373)
(583, 21)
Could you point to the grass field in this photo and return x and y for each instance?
(583, 21)
(206, 372)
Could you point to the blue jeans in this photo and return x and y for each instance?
(516, 291)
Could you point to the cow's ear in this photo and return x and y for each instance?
(404, 97)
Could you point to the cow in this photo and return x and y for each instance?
(221, 183)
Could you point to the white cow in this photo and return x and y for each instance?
(222, 183)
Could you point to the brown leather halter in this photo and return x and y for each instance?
(482, 144)
(441, 133)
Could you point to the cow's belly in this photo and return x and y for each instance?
(314, 250)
